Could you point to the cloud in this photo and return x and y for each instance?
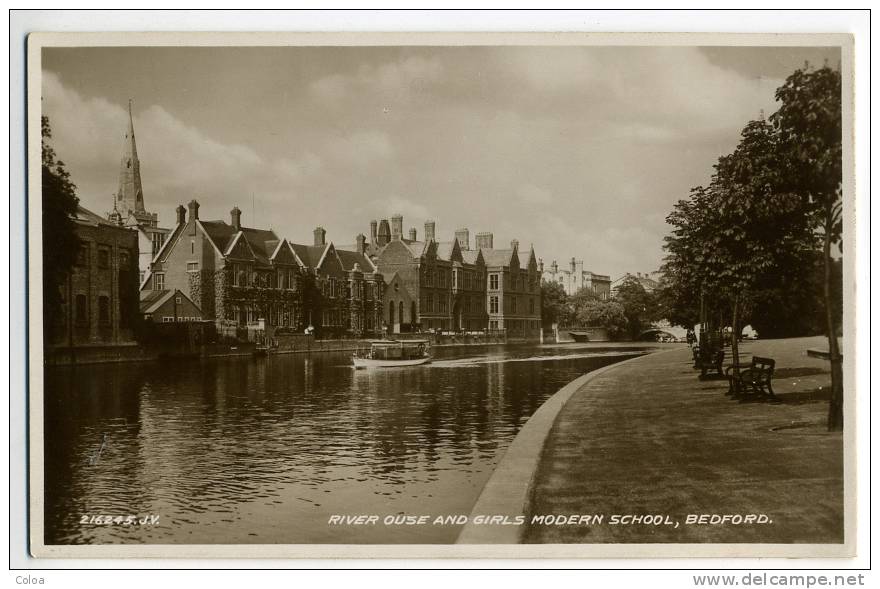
(579, 150)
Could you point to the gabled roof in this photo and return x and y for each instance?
(494, 257)
(449, 251)
(418, 248)
(310, 255)
(152, 300)
(350, 258)
(471, 256)
(261, 241)
(525, 258)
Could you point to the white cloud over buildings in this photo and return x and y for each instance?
(581, 151)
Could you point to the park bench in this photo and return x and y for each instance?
(710, 358)
(756, 378)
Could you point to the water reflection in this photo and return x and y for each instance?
(265, 450)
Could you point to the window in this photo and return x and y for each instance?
(104, 309)
(531, 305)
(429, 278)
(192, 266)
(493, 304)
(82, 309)
(123, 259)
(430, 304)
(513, 304)
(455, 279)
(493, 281)
(441, 278)
(192, 246)
(178, 300)
(443, 305)
(142, 273)
(167, 319)
(103, 257)
(159, 281)
(158, 240)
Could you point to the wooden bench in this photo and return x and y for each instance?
(711, 359)
(754, 379)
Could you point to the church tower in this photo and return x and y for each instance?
(128, 203)
(130, 194)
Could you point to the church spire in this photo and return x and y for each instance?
(130, 195)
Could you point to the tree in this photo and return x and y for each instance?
(640, 307)
(554, 303)
(60, 243)
(809, 126)
(608, 314)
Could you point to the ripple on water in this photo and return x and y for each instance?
(221, 448)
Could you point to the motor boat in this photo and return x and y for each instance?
(392, 353)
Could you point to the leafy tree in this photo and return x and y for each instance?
(811, 157)
(640, 307)
(60, 243)
(608, 314)
(554, 303)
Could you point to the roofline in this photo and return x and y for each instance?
(324, 255)
(233, 242)
(208, 235)
(167, 241)
(160, 301)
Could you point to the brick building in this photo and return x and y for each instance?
(100, 295)
(574, 278)
(513, 288)
(346, 289)
(417, 268)
(468, 283)
(236, 275)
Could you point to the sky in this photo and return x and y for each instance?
(579, 151)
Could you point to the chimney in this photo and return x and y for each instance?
(429, 230)
(397, 227)
(464, 238)
(181, 214)
(384, 233)
(320, 235)
(484, 240)
(514, 244)
(235, 215)
(572, 264)
(373, 225)
(554, 267)
(361, 240)
(412, 234)
(194, 210)
(540, 266)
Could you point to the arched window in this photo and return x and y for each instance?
(391, 313)
(400, 311)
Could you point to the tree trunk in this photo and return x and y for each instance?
(835, 406)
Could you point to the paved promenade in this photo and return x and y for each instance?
(650, 438)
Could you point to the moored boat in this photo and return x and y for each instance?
(391, 353)
(579, 336)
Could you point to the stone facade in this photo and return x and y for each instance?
(513, 290)
(99, 297)
(574, 278)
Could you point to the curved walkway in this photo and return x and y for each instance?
(647, 437)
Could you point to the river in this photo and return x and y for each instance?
(266, 450)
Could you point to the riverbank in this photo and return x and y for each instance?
(647, 437)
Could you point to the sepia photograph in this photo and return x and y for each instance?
(441, 295)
